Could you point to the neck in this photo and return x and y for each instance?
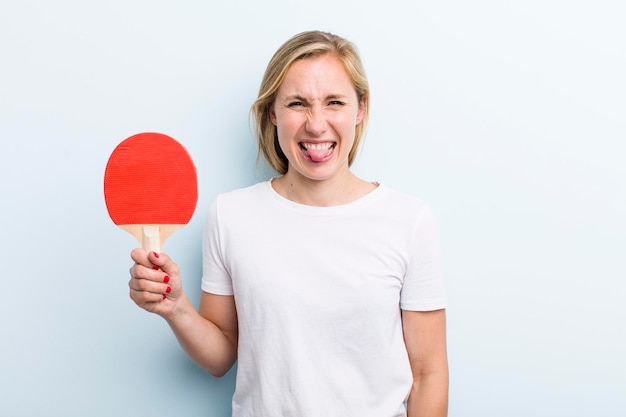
(322, 193)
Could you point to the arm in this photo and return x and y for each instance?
(425, 339)
(209, 335)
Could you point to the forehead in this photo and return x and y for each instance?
(320, 74)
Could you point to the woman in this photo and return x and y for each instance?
(326, 288)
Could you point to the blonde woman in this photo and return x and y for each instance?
(325, 288)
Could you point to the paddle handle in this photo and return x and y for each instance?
(151, 238)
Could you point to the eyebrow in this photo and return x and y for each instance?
(329, 97)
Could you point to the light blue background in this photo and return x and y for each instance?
(508, 117)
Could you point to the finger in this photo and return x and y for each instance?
(141, 272)
(164, 263)
(151, 286)
(146, 299)
(141, 257)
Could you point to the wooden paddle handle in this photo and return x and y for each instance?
(151, 236)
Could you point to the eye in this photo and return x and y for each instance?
(336, 103)
(295, 104)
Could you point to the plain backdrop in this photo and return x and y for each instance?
(507, 116)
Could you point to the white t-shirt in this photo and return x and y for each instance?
(318, 292)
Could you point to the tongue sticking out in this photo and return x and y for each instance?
(319, 153)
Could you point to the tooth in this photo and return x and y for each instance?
(317, 146)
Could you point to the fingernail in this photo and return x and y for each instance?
(155, 267)
(164, 297)
(169, 289)
(156, 255)
(166, 279)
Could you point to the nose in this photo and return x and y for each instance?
(316, 123)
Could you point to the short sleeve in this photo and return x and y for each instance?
(423, 286)
(215, 276)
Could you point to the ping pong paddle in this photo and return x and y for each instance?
(150, 187)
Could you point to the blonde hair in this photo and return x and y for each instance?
(301, 46)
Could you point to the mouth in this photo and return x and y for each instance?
(318, 152)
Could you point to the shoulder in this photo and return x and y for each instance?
(250, 194)
(403, 211)
(238, 202)
(399, 201)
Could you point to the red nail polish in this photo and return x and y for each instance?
(164, 297)
(156, 268)
(169, 289)
(156, 255)
(166, 279)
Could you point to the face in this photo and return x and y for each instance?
(315, 113)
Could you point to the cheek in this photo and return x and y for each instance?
(284, 139)
(347, 124)
(287, 126)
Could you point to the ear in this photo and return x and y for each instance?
(362, 106)
(272, 115)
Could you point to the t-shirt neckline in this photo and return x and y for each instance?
(364, 200)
